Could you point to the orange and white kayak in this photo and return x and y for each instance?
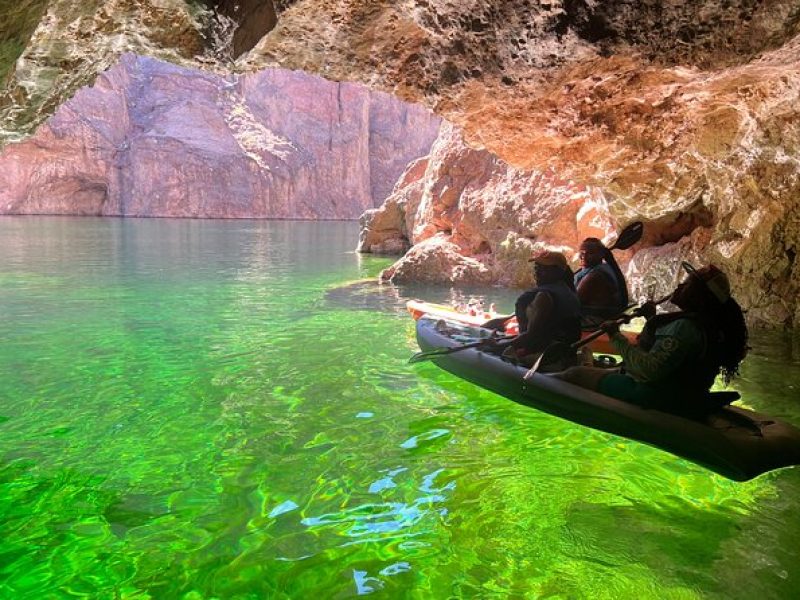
(476, 318)
(473, 317)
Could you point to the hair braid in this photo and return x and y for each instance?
(729, 321)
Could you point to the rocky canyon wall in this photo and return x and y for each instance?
(683, 115)
(158, 140)
(586, 114)
(464, 216)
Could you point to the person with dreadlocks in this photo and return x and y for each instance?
(678, 355)
(548, 313)
(599, 282)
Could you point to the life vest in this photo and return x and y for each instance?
(565, 324)
(614, 304)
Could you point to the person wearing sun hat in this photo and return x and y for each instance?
(548, 313)
(678, 355)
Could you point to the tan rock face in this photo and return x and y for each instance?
(740, 213)
(77, 39)
(468, 204)
(434, 260)
(154, 139)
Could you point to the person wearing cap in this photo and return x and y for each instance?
(548, 313)
(678, 355)
(599, 282)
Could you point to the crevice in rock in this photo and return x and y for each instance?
(675, 227)
(238, 25)
(587, 23)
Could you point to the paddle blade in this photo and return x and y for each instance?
(532, 371)
(423, 356)
(629, 236)
(554, 351)
(430, 354)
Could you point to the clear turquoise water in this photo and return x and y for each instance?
(213, 409)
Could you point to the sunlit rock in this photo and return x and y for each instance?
(74, 40)
(489, 211)
(385, 230)
(382, 230)
(436, 260)
(154, 139)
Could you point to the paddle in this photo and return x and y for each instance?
(629, 235)
(421, 356)
(588, 339)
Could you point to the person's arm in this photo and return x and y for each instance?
(666, 355)
(538, 312)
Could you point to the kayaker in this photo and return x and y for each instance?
(548, 313)
(600, 283)
(678, 355)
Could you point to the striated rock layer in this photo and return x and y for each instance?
(157, 140)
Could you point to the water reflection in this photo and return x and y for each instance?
(372, 295)
(770, 375)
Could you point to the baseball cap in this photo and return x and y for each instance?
(549, 258)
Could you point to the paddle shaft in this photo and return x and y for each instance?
(592, 336)
(420, 356)
(442, 351)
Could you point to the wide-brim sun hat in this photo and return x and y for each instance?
(714, 279)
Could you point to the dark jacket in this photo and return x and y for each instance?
(564, 325)
(696, 373)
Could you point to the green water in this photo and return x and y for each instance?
(205, 409)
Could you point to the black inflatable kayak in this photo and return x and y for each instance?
(737, 443)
